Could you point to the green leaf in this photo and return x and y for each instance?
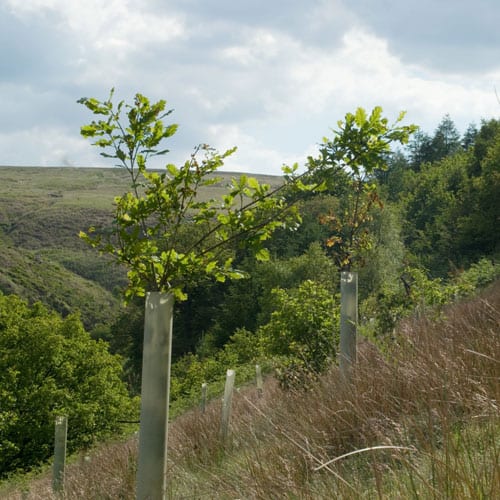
(172, 169)
(360, 117)
(179, 294)
(210, 266)
(221, 278)
(253, 183)
(88, 130)
(262, 255)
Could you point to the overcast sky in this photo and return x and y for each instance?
(271, 77)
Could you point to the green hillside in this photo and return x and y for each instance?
(42, 210)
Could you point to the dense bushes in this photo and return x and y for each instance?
(50, 366)
(420, 294)
(298, 341)
(302, 334)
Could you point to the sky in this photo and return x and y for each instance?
(270, 77)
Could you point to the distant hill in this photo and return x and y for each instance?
(42, 210)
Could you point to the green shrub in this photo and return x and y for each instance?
(302, 333)
(417, 293)
(50, 366)
(479, 275)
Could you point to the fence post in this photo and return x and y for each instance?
(226, 405)
(258, 376)
(348, 320)
(155, 389)
(61, 434)
(204, 390)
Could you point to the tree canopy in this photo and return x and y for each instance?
(50, 366)
(164, 233)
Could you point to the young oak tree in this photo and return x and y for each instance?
(164, 230)
(169, 235)
(358, 149)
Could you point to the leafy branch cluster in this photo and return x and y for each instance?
(359, 149)
(164, 233)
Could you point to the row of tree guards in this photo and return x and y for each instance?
(149, 233)
(153, 434)
(61, 425)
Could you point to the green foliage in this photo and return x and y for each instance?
(299, 340)
(125, 338)
(420, 150)
(430, 211)
(417, 293)
(163, 232)
(393, 181)
(479, 275)
(358, 150)
(302, 331)
(313, 265)
(427, 292)
(214, 312)
(451, 206)
(445, 142)
(287, 243)
(478, 216)
(191, 371)
(361, 143)
(248, 303)
(483, 139)
(385, 260)
(50, 366)
(470, 136)
(37, 277)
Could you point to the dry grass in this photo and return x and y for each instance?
(422, 420)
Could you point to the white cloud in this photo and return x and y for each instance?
(23, 7)
(105, 35)
(449, 35)
(123, 23)
(209, 104)
(259, 47)
(252, 155)
(363, 72)
(270, 79)
(45, 146)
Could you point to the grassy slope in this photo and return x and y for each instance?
(42, 211)
(431, 400)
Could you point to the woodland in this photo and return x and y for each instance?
(419, 224)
